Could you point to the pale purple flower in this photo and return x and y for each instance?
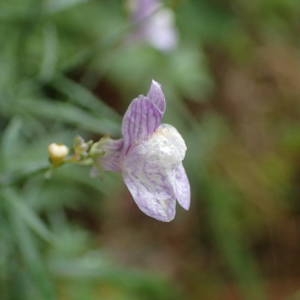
(150, 156)
(155, 24)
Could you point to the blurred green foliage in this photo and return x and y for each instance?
(233, 90)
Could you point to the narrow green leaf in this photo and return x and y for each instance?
(10, 142)
(69, 114)
(83, 97)
(28, 215)
(29, 250)
(50, 52)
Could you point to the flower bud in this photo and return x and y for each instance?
(57, 153)
(81, 148)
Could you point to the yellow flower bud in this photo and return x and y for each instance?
(57, 153)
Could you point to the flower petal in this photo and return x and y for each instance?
(111, 161)
(160, 31)
(144, 9)
(181, 187)
(140, 120)
(150, 188)
(157, 96)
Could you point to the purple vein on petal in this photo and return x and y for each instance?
(156, 96)
(150, 187)
(140, 116)
(136, 122)
(111, 161)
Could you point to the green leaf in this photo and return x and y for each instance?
(79, 95)
(29, 250)
(27, 215)
(50, 54)
(11, 141)
(68, 114)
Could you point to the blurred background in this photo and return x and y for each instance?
(231, 73)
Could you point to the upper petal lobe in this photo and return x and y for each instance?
(157, 96)
(141, 119)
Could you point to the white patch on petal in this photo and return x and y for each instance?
(154, 175)
(165, 147)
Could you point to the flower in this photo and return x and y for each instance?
(150, 156)
(155, 24)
